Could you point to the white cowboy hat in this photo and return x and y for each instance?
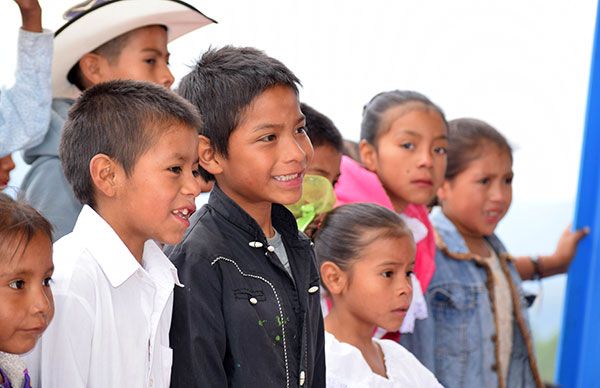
(94, 23)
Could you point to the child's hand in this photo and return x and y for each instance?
(566, 248)
(31, 15)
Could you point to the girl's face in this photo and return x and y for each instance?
(6, 166)
(378, 290)
(410, 158)
(26, 304)
(479, 197)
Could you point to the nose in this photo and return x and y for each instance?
(426, 158)
(166, 77)
(192, 185)
(43, 302)
(405, 286)
(500, 192)
(298, 150)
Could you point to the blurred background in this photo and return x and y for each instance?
(522, 66)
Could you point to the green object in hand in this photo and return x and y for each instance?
(317, 197)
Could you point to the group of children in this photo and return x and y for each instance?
(148, 290)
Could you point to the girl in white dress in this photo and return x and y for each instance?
(366, 255)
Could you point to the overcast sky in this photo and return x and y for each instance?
(520, 65)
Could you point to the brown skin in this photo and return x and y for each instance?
(31, 15)
(374, 291)
(144, 58)
(6, 166)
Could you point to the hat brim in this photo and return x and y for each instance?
(97, 26)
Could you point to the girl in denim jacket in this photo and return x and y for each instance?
(478, 333)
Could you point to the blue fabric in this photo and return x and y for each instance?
(25, 107)
(457, 342)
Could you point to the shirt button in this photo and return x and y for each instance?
(151, 381)
(253, 300)
(494, 367)
(302, 378)
(313, 289)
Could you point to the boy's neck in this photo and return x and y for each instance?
(134, 243)
(259, 211)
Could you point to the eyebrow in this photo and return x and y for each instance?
(276, 126)
(156, 51)
(416, 134)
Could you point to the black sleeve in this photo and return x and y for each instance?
(197, 334)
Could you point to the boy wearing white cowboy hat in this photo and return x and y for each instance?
(103, 40)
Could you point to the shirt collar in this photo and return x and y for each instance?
(111, 253)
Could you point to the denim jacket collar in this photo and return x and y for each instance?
(448, 239)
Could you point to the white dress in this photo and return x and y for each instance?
(346, 367)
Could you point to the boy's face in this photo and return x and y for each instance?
(144, 58)
(267, 153)
(326, 163)
(157, 198)
(26, 303)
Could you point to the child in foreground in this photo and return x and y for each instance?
(478, 333)
(26, 304)
(251, 317)
(130, 152)
(366, 256)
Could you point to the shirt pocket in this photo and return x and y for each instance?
(454, 308)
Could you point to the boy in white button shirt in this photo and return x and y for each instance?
(129, 151)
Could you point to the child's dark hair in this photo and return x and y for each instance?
(320, 129)
(348, 229)
(224, 83)
(110, 50)
(466, 137)
(121, 119)
(19, 223)
(373, 113)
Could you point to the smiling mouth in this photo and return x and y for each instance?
(287, 178)
(183, 213)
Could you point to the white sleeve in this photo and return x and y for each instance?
(25, 107)
(64, 351)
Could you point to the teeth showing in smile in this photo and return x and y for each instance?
(285, 178)
(492, 214)
(183, 213)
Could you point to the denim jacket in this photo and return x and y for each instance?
(458, 342)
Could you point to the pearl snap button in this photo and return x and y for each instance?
(302, 378)
(255, 244)
(253, 301)
(313, 289)
(271, 248)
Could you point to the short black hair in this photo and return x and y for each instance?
(121, 119)
(321, 130)
(222, 85)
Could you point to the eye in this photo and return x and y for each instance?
(17, 284)
(301, 130)
(196, 172)
(440, 150)
(46, 282)
(484, 181)
(387, 274)
(407, 146)
(150, 61)
(268, 138)
(509, 180)
(175, 169)
(408, 273)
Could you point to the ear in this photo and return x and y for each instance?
(333, 277)
(368, 155)
(208, 158)
(442, 192)
(94, 68)
(104, 172)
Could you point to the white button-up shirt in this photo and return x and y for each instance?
(111, 326)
